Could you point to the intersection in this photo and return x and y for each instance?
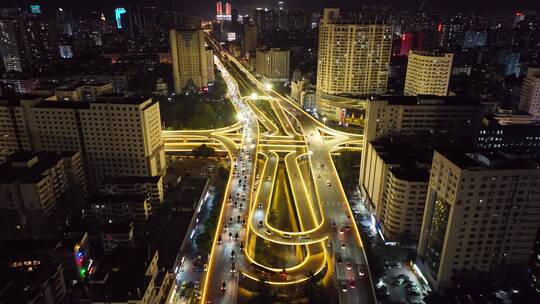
(274, 134)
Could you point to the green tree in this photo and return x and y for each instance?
(272, 217)
(203, 151)
(347, 165)
(223, 173)
(204, 242)
(263, 294)
(191, 87)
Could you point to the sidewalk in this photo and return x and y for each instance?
(399, 282)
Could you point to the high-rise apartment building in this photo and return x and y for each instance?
(210, 64)
(426, 121)
(428, 73)
(12, 48)
(423, 118)
(481, 217)
(250, 39)
(27, 43)
(189, 58)
(273, 64)
(529, 100)
(116, 136)
(395, 184)
(353, 58)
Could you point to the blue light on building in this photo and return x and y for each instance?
(118, 12)
(35, 9)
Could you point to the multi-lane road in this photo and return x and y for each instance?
(326, 225)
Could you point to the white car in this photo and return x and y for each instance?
(328, 183)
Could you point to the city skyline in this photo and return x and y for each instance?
(208, 6)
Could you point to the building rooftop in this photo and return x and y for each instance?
(490, 160)
(132, 180)
(26, 286)
(415, 174)
(118, 228)
(116, 198)
(22, 247)
(124, 276)
(25, 167)
(429, 100)
(104, 99)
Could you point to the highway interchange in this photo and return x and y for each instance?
(292, 137)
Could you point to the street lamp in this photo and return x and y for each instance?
(254, 95)
(268, 86)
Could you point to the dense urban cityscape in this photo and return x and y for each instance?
(261, 151)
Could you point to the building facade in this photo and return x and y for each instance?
(189, 59)
(428, 73)
(33, 191)
(529, 99)
(395, 184)
(27, 43)
(273, 64)
(116, 137)
(352, 58)
(424, 121)
(481, 217)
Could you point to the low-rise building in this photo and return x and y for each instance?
(119, 235)
(82, 91)
(44, 284)
(149, 185)
(34, 190)
(104, 209)
(72, 251)
(130, 276)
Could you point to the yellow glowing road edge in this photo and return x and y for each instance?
(312, 240)
(268, 225)
(279, 113)
(309, 202)
(270, 101)
(326, 130)
(256, 81)
(220, 224)
(234, 126)
(259, 114)
(251, 101)
(295, 281)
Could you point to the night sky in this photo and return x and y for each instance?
(207, 6)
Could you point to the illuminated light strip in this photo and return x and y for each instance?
(353, 224)
(266, 121)
(295, 281)
(297, 168)
(293, 117)
(305, 189)
(261, 113)
(236, 125)
(255, 80)
(279, 113)
(280, 122)
(420, 274)
(332, 163)
(303, 232)
(301, 264)
(312, 240)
